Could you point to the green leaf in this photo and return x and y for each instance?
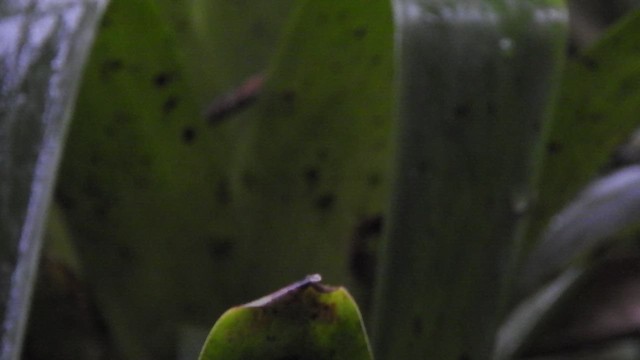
(311, 164)
(164, 206)
(597, 109)
(143, 186)
(475, 81)
(595, 113)
(305, 320)
(43, 48)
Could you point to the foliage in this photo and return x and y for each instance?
(306, 320)
(492, 229)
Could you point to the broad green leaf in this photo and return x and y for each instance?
(306, 320)
(146, 185)
(597, 109)
(311, 165)
(43, 47)
(475, 81)
(143, 186)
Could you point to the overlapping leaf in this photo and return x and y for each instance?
(43, 48)
(306, 320)
(596, 110)
(166, 231)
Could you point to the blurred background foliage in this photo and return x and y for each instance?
(164, 217)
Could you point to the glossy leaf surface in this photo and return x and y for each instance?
(43, 47)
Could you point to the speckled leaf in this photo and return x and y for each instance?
(306, 320)
(596, 111)
(475, 80)
(144, 185)
(311, 173)
(225, 41)
(145, 181)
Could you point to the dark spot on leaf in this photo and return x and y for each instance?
(323, 154)
(312, 176)
(91, 189)
(596, 117)
(628, 86)
(121, 117)
(589, 63)
(286, 105)
(106, 22)
(258, 29)
(101, 209)
(325, 202)
(323, 312)
(360, 32)
(572, 49)
(322, 18)
(110, 66)
(182, 25)
(102, 200)
(554, 147)
(249, 180)
(162, 79)
(289, 96)
(421, 167)
(375, 60)
(336, 66)
(141, 182)
(95, 158)
(362, 254)
(188, 135)
(492, 109)
(462, 110)
(416, 326)
(223, 193)
(127, 255)
(373, 180)
(220, 248)
(169, 105)
(66, 201)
